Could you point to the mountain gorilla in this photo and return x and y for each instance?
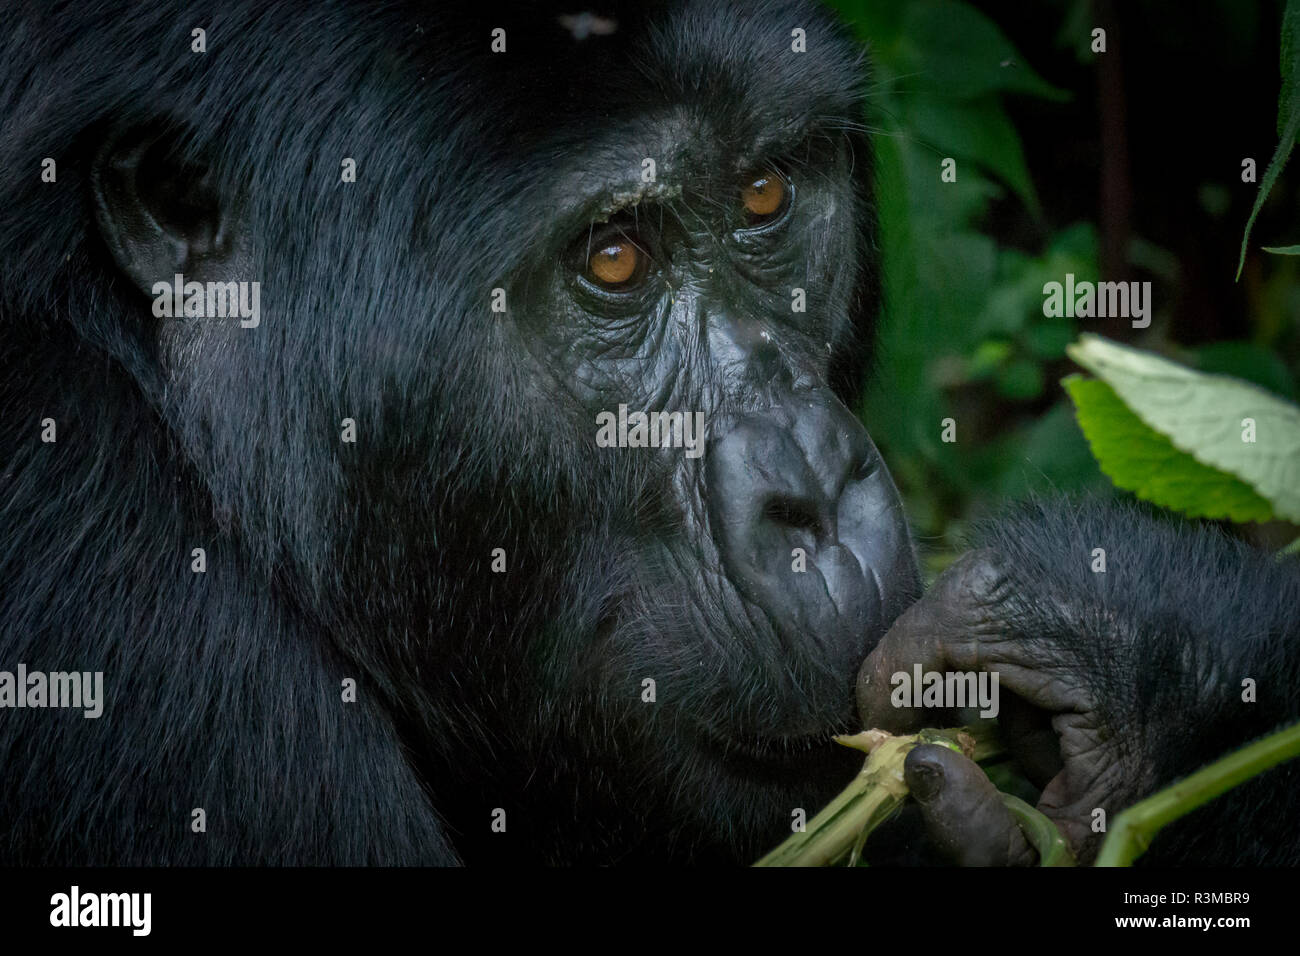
(341, 529)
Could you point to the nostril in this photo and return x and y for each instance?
(792, 512)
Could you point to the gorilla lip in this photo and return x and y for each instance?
(778, 751)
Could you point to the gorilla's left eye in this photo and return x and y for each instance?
(617, 264)
(765, 195)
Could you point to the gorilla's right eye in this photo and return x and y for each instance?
(616, 265)
(765, 196)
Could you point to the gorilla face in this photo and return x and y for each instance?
(733, 281)
(677, 217)
(671, 214)
(541, 445)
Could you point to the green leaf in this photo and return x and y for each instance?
(1288, 116)
(988, 357)
(1282, 250)
(876, 22)
(1047, 339)
(979, 131)
(1047, 454)
(1015, 301)
(1021, 380)
(1202, 415)
(1288, 100)
(1138, 458)
(1249, 361)
(963, 54)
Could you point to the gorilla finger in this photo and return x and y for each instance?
(912, 640)
(958, 625)
(1028, 734)
(965, 818)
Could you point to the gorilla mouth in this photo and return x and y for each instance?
(781, 752)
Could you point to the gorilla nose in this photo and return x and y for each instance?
(810, 527)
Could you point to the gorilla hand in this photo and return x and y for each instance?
(974, 619)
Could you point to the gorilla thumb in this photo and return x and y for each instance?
(965, 818)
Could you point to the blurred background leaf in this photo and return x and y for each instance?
(1123, 168)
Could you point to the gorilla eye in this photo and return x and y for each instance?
(617, 264)
(765, 195)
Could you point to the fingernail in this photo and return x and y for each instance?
(925, 781)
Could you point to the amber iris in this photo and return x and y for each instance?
(614, 264)
(764, 195)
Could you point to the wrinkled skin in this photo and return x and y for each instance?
(747, 584)
(1112, 685)
(1049, 720)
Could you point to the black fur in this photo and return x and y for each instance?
(370, 561)
(327, 560)
(1165, 637)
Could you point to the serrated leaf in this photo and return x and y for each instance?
(1202, 415)
(1288, 117)
(1288, 101)
(1139, 459)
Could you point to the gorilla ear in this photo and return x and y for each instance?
(160, 214)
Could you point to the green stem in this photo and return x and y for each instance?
(1137, 826)
(871, 799)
